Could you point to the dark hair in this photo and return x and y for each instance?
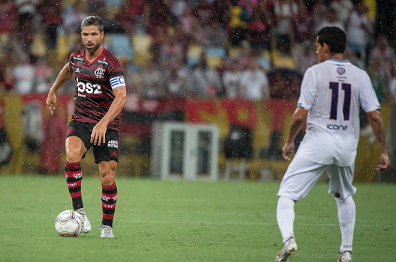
(92, 20)
(334, 37)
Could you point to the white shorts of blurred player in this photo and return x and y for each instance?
(302, 174)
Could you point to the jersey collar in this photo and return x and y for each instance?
(339, 61)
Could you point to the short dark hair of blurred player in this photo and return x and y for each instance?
(99, 97)
(332, 92)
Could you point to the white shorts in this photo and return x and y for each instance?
(302, 174)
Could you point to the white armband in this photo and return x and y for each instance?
(117, 81)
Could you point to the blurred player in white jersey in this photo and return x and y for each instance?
(331, 93)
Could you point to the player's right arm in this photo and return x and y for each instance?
(61, 79)
(377, 125)
(296, 123)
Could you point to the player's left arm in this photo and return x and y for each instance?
(99, 131)
(296, 123)
(377, 125)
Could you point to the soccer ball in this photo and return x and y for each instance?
(68, 224)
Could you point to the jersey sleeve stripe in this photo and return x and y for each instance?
(113, 59)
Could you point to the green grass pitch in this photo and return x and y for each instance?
(188, 221)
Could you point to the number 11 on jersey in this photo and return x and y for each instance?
(334, 86)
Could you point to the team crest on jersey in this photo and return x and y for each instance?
(340, 70)
(99, 72)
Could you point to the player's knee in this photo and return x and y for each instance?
(107, 177)
(73, 155)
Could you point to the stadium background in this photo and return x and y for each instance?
(36, 38)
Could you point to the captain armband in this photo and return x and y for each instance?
(117, 81)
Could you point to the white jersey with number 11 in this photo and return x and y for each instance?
(332, 92)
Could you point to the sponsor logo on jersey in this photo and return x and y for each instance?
(70, 130)
(78, 58)
(99, 72)
(103, 62)
(112, 143)
(337, 127)
(340, 70)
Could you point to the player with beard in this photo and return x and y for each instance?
(99, 97)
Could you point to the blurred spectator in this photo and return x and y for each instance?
(7, 81)
(26, 11)
(232, 80)
(6, 16)
(203, 12)
(44, 75)
(343, 9)
(385, 54)
(215, 34)
(392, 91)
(182, 38)
(160, 37)
(237, 25)
(319, 11)
(177, 10)
(152, 84)
(170, 52)
(254, 82)
(197, 34)
(204, 81)
(359, 31)
(306, 58)
(392, 34)
(126, 21)
(23, 75)
(259, 32)
(93, 5)
(278, 83)
(282, 58)
(243, 56)
(284, 10)
(176, 80)
(73, 17)
(126, 66)
(331, 20)
(135, 7)
(267, 11)
(221, 11)
(111, 25)
(371, 9)
(351, 57)
(155, 14)
(376, 80)
(249, 5)
(186, 21)
(51, 15)
(391, 127)
(302, 28)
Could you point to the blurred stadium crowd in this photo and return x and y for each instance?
(251, 49)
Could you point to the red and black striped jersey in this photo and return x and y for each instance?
(95, 81)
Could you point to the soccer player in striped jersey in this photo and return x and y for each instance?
(331, 93)
(99, 97)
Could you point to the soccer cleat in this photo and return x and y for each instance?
(345, 256)
(288, 248)
(106, 231)
(86, 225)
